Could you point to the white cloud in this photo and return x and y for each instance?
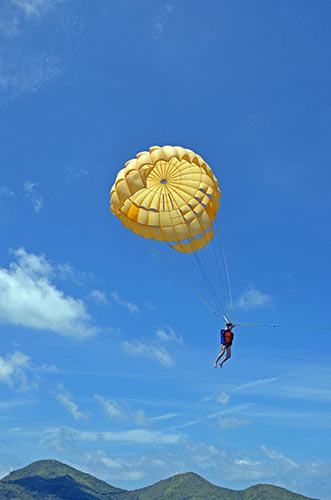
(124, 303)
(114, 467)
(166, 416)
(34, 56)
(149, 305)
(140, 418)
(212, 416)
(223, 398)
(154, 348)
(67, 271)
(275, 455)
(6, 191)
(98, 296)
(35, 7)
(162, 19)
(28, 298)
(132, 436)
(9, 26)
(157, 30)
(308, 393)
(152, 351)
(13, 403)
(47, 368)
(295, 419)
(253, 298)
(113, 410)
(232, 422)
(139, 436)
(33, 195)
(12, 368)
(255, 383)
(74, 171)
(66, 400)
(61, 440)
(169, 335)
(101, 457)
(110, 407)
(27, 76)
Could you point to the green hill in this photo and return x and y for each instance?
(52, 480)
(190, 486)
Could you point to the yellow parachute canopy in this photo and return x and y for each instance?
(167, 194)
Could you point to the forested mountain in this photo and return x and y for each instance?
(52, 480)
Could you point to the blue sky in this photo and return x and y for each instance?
(106, 359)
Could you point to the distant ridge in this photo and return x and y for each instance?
(53, 480)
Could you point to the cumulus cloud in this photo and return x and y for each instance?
(13, 367)
(148, 350)
(66, 400)
(33, 196)
(253, 298)
(124, 303)
(28, 298)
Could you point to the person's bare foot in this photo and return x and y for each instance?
(215, 365)
(221, 365)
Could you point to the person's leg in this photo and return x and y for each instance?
(220, 355)
(228, 355)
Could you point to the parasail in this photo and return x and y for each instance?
(168, 194)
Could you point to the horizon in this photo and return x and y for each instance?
(106, 357)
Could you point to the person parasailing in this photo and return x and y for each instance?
(226, 343)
